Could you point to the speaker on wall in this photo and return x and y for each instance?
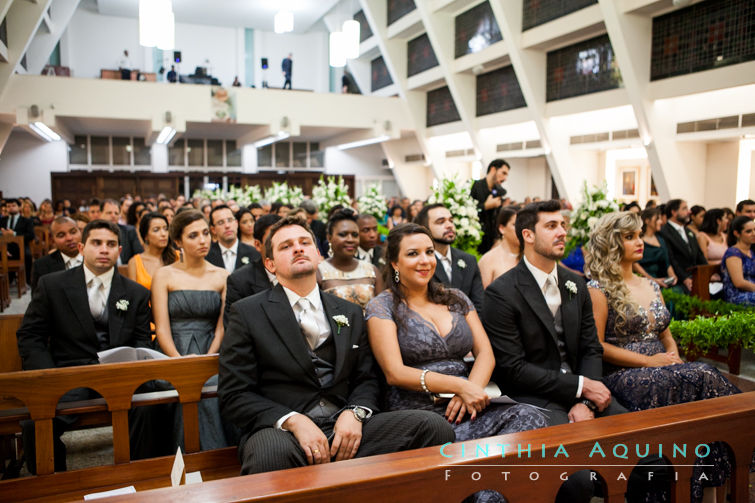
(264, 63)
(176, 56)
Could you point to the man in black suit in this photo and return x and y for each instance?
(489, 196)
(66, 236)
(228, 251)
(253, 277)
(456, 268)
(369, 242)
(318, 227)
(297, 376)
(540, 323)
(17, 225)
(76, 313)
(110, 210)
(683, 249)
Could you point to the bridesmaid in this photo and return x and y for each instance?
(158, 252)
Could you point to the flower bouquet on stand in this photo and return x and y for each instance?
(290, 196)
(244, 196)
(373, 203)
(595, 204)
(454, 194)
(329, 193)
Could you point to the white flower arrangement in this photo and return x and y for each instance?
(571, 287)
(290, 196)
(373, 203)
(341, 321)
(454, 194)
(122, 305)
(595, 204)
(244, 196)
(330, 192)
(244, 260)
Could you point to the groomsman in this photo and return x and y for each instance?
(66, 236)
(455, 268)
(297, 376)
(16, 224)
(130, 244)
(684, 252)
(227, 251)
(369, 241)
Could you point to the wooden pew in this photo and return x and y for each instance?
(425, 475)
(701, 275)
(17, 265)
(39, 391)
(10, 360)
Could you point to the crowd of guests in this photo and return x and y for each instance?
(299, 309)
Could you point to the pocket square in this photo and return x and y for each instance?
(355, 346)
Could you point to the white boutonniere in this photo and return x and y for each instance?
(381, 261)
(461, 264)
(571, 287)
(341, 321)
(122, 305)
(244, 260)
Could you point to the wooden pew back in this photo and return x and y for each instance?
(429, 475)
(10, 360)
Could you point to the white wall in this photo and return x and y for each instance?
(528, 176)
(720, 175)
(26, 163)
(310, 70)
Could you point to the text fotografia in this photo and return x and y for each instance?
(617, 451)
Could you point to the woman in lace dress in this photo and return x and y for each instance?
(343, 275)
(642, 365)
(186, 302)
(420, 332)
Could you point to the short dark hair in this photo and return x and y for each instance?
(365, 216)
(218, 208)
(181, 220)
(743, 203)
(277, 205)
(255, 206)
(263, 223)
(497, 164)
(736, 225)
(12, 200)
(710, 220)
(101, 224)
(422, 217)
(629, 206)
(286, 221)
(109, 201)
(696, 209)
(342, 214)
(673, 206)
(527, 217)
(309, 206)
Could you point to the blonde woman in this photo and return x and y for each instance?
(642, 365)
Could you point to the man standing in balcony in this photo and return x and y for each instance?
(124, 65)
(287, 67)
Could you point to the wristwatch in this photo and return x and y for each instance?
(589, 404)
(361, 413)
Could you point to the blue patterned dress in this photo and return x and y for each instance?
(650, 387)
(422, 347)
(732, 293)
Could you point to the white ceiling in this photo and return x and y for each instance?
(257, 14)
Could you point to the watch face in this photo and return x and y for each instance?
(360, 413)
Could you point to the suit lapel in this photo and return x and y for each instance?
(440, 272)
(76, 292)
(341, 337)
(57, 258)
(214, 256)
(114, 316)
(457, 273)
(569, 312)
(283, 322)
(673, 235)
(534, 297)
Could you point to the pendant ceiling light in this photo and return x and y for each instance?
(157, 24)
(337, 54)
(351, 38)
(284, 22)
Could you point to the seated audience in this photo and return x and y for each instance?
(246, 226)
(168, 212)
(643, 369)
(745, 208)
(684, 252)
(654, 264)
(370, 249)
(396, 216)
(153, 230)
(279, 208)
(66, 237)
(634, 207)
(27, 211)
(45, 213)
(696, 217)
(70, 318)
(343, 274)
(458, 269)
(187, 301)
(711, 236)
(132, 214)
(319, 403)
(505, 255)
(228, 251)
(738, 264)
(16, 224)
(420, 331)
(257, 211)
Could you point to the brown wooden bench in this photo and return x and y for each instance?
(10, 361)
(425, 475)
(701, 275)
(17, 265)
(40, 390)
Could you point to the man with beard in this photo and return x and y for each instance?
(66, 236)
(489, 196)
(539, 319)
(683, 250)
(455, 268)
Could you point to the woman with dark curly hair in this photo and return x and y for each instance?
(342, 274)
(420, 332)
(642, 365)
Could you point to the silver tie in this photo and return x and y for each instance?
(96, 297)
(308, 323)
(552, 295)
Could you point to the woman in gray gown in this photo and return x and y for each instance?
(187, 300)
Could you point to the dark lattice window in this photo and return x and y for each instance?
(398, 9)
(421, 56)
(441, 107)
(537, 12)
(703, 36)
(583, 68)
(364, 27)
(475, 30)
(380, 75)
(498, 91)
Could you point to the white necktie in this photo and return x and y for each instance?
(229, 260)
(96, 297)
(446, 263)
(552, 295)
(308, 323)
(74, 262)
